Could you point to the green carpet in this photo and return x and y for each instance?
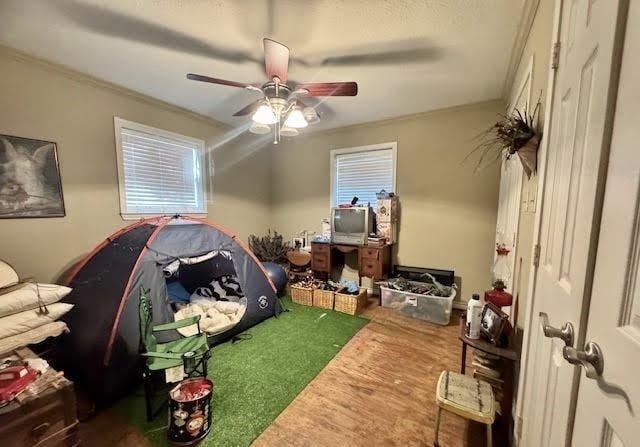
(256, 379)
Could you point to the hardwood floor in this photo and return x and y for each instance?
(378, 391)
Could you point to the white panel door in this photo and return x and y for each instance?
(608, 409)
(572, 177)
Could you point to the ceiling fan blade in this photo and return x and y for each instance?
(202, 78)
(330, 88)
(248, 110)
(103, 20)
(406, 56)
(276, 59)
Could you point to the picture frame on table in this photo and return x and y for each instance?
(493, 322)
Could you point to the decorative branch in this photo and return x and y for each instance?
(269, 248)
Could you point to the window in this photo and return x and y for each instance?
(362, 172)
(159, 172)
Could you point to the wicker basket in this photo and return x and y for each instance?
(302, 295)
(324, 298)
(350, 304)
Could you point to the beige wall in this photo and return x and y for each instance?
(46, 102)
(448, 212)
(538, 45)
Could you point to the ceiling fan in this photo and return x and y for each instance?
(280, 105)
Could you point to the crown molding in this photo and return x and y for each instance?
(527, 17)
(11, 53)
(497, 102)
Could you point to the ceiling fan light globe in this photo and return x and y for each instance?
(296, 120)
(264, 115)
(289, 132)
(259, 129)
(311, 115)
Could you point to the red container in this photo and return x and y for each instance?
(498, 295)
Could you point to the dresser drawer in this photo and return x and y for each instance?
(369, 253)
(44, 426)
(369, 267)
(320, 248)
(320, 262)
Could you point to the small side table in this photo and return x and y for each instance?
(510, 357)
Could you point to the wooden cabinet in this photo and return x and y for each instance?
(373, 262)
(47, 419)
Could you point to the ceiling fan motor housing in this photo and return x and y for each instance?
(282, 91)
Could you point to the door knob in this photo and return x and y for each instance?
(591, 358)
(566, 333)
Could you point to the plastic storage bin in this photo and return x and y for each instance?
(436, 309)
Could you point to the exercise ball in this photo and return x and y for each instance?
(278, 276)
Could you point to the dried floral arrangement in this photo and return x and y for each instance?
(269, 248)
(514, 134)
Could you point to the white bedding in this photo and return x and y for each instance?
(215, 316)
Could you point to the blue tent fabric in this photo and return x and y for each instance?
(101, 352)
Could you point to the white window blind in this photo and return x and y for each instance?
(361, 172)
(160, 172)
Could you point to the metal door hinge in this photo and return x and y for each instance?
(555, 61)
(536, 255)
(519, 428)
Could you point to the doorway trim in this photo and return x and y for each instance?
(533, 268)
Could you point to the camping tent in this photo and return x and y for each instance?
(101, 352)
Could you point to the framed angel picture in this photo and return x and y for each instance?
(30, 184)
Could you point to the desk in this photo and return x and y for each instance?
(373, 262)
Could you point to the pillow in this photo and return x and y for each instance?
(177, 292)
(226, 287)
(33, 336)
(30, 319)
(203, 292)
(231, 285)
(8, 275)
(26, 297)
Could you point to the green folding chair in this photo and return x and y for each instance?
(192, 352)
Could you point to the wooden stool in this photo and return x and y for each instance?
(466, 397)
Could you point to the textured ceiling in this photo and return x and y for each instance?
(407, 56)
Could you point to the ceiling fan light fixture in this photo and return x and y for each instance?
(264, 115)
(289, 132)
(296, 119)
(259, 129)
(311, 115)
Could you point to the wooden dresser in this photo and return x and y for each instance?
(48, 419)
(373, 262)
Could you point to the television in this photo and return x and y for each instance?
(351, 225)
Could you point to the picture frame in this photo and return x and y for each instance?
(493, 322)
(30, 181)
